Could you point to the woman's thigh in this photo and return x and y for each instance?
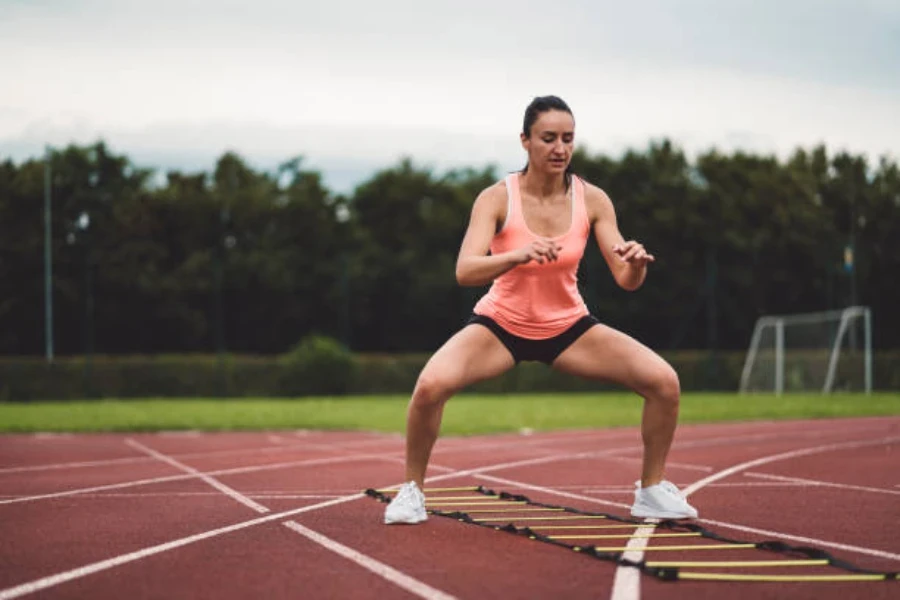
(605, 354)
(471, 355)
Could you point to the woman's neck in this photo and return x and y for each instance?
(542, 185)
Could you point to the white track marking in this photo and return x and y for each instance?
(804, 540)
(76, 465)
(367, 562)
(628, 580)
(624, 489)
(677, 465)
(46, 582)
(53, 580)
(553, 491)
(143, 459)
(140, 482)
(738, 527)
(279, 448)
(448, 444)
(632, 592)
(817, 483)
(384, 571)
(138, 496)
(211, 481)
(783, 456)
(293, 445)
(259, 468)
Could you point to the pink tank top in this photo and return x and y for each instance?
(538, 301)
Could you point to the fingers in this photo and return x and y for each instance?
(633, 251)
(542, 251)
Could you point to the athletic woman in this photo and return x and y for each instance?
(526, 236)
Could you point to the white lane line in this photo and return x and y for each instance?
(52, 580)
(624, 489)
(58, 578)
(817, 483)
(207, 454)
(633, 592)
(380, 569)
(76, 465)
(672, 464)
(736, 526)
(804, 540)
(260, 468)
(628, 580)
(784, 456)
(448, 444)
(211, 481)
(64, 576)
(140, 482)
(138, 496)
(414, 586)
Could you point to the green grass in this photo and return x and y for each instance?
(465, 414)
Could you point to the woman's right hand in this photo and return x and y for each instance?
(539, 251)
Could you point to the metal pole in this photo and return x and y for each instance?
(867, 321)
(48, 258)
(779, 357)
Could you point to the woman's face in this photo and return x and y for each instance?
(551, 142)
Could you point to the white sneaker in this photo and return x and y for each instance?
(408, 506)
(661, 501)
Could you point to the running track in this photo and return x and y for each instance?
(280, 514)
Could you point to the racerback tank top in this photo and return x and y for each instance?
(534, 300)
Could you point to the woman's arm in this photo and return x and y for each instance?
(627, 261)
(474, 266)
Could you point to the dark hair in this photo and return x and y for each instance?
(538, 106)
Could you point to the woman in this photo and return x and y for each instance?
(526, 236)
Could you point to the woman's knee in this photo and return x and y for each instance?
(665, 386)
(431, 388)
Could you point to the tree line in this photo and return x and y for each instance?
(251, 261)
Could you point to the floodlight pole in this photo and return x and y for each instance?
(48, 258)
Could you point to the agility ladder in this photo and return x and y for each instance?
(495, 510)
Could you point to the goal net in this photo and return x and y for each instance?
(813, 352)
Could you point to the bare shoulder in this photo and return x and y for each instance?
(494, 194)
(492, 201)
(596, 201)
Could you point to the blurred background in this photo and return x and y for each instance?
(206, 198)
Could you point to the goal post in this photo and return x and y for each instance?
(823, 351)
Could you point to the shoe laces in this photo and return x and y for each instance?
(409, 493)
(670, 487)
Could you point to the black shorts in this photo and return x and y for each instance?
(546, 350)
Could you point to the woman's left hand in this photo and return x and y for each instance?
(633, 253)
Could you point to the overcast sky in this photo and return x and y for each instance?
(352, 85)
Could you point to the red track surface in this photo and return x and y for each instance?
(204, 515)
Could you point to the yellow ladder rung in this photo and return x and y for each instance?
(583, 526)
(478, 497)
(784, 578)
(674, 548)
(590, 536)
(432, 490)
(739, 563)
(512, 510)
(572, 518)
(476, 503)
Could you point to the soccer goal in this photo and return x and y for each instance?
(823, 351)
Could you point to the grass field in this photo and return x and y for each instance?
(465, 414)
